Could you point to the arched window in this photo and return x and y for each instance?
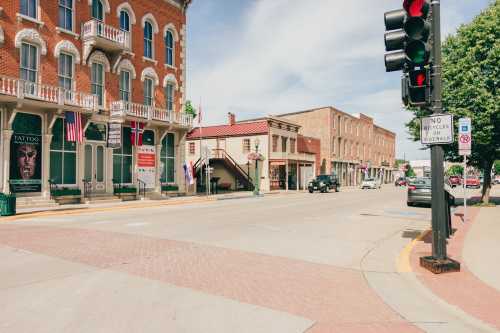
(97, 10)
(148, 40)
(169, 48)
(169, 95)
(124, 21)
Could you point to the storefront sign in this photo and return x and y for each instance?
(146, 165)
(115, 135)
(26, 163)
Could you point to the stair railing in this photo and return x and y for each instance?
(142, 188)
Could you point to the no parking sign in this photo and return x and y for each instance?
(464, 136)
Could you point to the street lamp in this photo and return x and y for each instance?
(257, 177)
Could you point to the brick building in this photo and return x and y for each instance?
(290, 159)
(110, 61)
(352, 146)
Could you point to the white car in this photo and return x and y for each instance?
(371, 183)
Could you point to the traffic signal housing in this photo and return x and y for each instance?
(419, 87)
(407, 36)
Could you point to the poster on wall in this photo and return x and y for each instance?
(146, 165)
(114, 135)
(26, 163)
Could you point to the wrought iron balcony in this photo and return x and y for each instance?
(105, 36)
(13, 89)
(121, 109)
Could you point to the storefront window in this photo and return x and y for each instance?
(62, 156)
(167, 159)
(122, 159)
(148, 138)
(96, 132)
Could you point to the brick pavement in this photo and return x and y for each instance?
(337, 299)
(462, 289)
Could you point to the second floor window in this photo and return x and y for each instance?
(148, 92)
(29, 63)
(275, 143)
(169, 96)
(246, 145)
(65, 71)
(97, 10)
(283, 144)
(66, 14)
(125, 86)
(148, 40)
(124, 21)
(292, 146)
(169, 48)
(97, 79)
(28, 8)
(192, 148)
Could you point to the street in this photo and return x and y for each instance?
(293, 262)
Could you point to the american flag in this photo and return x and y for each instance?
(74, 130)
(137, 130)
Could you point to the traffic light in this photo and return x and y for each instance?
(419, 87)
(407, 36)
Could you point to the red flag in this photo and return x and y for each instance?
(137, 130)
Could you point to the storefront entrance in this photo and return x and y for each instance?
(95, 167)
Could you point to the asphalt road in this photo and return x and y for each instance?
(280, 263)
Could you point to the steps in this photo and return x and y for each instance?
(35, 202)
(102, 199)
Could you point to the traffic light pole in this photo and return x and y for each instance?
(437, 153)
(439, 262)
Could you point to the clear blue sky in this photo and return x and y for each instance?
(259, 57)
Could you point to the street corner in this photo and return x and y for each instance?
(462, 289)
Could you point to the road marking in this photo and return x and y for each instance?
(403, 261)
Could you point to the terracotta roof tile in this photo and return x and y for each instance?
(238, 129)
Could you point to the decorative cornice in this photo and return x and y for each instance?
(170, 78)
(172, 28)
(151, 73)
(150, 17)
(100, 57)
(105, 4)
(67, 46)
(126, 6)
(127, 65)
(30, 35)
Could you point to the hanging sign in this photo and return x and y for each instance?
(114, 135)
(25, 163)
(436, 130)
(464, 136)
(146, 165)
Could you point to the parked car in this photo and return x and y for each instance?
(371, 183)
(455, 181)
(420, 192)
(473, 182)
(324, 183)
(400, 182)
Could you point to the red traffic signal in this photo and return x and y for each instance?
(419, 88)
(416, 8)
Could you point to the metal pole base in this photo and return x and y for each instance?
(440, 266)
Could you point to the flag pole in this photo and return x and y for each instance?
(201, 143)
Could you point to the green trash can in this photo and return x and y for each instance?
(7, 204)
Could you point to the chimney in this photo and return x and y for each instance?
(231, 118)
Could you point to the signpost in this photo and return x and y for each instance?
(465, 149)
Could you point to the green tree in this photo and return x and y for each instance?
(455, 170)
(496, 167)
(189, 109)
(471, 75)
(409, 171)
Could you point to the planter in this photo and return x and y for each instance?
(7, 204)
(169, 188)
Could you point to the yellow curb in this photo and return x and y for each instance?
(82, 211)
(403, 261)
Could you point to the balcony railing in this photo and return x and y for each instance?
(22, 89)
(95, 29)
(124, 108)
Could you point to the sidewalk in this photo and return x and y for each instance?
(476, 245)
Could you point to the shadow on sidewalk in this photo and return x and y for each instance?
(413, 234)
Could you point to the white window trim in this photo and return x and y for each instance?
(153, 53)
(65, 46)
(38, 62)
(150, 17)
(172, 79)
(37, 19)
(105, 5)
(73, 13)
(30, 36)
(126, 64)
(2, 36)
(153, 89)
(100, 57)
(173, 47)
(149, 72)
(103, 81)
(131, 77)
(128, 8)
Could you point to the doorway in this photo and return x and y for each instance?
(95, 167)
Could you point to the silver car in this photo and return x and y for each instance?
(371, 183)
(420, 192)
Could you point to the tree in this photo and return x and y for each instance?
(496, 167)
(455, 170)
(470, 82)
(189, 109)
(409, 171)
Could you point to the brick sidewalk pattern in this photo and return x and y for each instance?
(462, 289)
(336, 299)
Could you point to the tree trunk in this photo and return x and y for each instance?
(485, 195)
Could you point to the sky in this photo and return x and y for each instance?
(266, 57)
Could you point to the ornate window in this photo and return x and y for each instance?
(97, 10)
(125, 86)
(97, 81)
(169, 96)
(148, 40)
(169, 48)
(124, 20)
(65, 71)
(29, 63)
(148, 91)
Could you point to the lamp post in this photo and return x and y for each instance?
(257, 176)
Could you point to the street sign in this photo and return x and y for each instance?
(436, 130)
(464, 136)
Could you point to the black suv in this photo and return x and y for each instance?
(324, 183)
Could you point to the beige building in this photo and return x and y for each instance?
(228, 148)
(352, 146)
